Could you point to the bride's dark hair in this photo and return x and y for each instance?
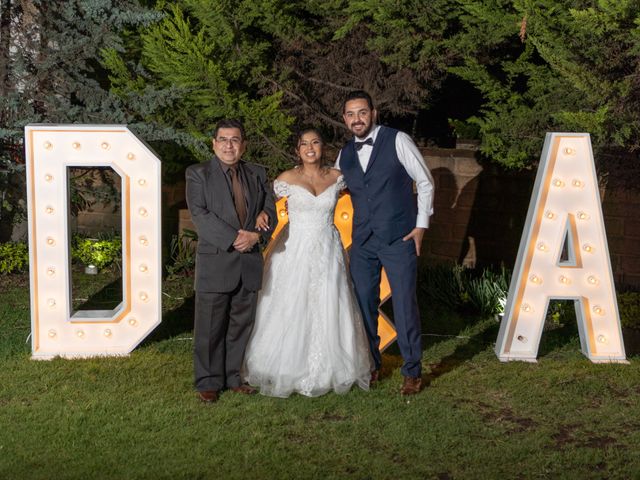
(304, 130)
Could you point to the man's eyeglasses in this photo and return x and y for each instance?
(235, 141)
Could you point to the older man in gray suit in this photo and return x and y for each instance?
(225, 196)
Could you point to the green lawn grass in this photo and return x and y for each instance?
(138, 417)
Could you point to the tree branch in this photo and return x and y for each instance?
(297, 97)
(323, 82)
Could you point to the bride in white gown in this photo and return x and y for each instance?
(308, 335)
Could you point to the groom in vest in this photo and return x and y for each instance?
(380, 165)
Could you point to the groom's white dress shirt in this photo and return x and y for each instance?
(413, 162)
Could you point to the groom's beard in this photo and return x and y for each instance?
(362, 134)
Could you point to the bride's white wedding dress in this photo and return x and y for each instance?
(308, 335)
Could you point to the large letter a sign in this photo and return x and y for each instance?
(563, 255)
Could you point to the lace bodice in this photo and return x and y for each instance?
(306, 210)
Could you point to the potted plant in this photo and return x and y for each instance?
(96, 254)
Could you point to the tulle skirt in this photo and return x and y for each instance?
(308, 335)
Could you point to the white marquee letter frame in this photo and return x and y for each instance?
(565, 206)
(57, 330)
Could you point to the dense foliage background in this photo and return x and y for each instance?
(503, 71)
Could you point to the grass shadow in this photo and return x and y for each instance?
(558, 337)
(174, 322)
(438, 324)
(441, 325)
(560, 329)
(108, 297)
(463, 352)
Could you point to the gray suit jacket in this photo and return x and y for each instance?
(219, 267)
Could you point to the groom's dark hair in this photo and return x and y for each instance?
(356, 95)
(230, 123)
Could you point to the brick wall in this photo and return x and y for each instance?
(478, 220)
(480, 209)
(621, 210)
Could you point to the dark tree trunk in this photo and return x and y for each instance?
(5, 43)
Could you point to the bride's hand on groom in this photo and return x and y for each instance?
(262, 221)
(245, 240)
(416, 235)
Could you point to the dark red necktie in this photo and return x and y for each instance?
(238, 195)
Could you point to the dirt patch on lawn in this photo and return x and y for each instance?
(20, 280)
(502, 416)
(571, 435)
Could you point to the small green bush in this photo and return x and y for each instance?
(464, 129)
(629, 308)
(459, 288)
(183, 253)
(487, 293)
(559, 313)
(99, 252)
(14, 257)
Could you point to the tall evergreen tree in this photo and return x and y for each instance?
(202, 62)
(276, 64)
(360, 44)
(49, 72)
(538, 65)
(548, 65)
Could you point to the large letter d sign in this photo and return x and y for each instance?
(56, 329)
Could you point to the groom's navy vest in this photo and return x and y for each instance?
(383, 199)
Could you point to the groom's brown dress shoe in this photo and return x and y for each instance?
(375, 376)
(411, 385)
(208, 396)
(244, 389)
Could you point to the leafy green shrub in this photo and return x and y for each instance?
(98, 252)
(183, 253)
(629, 308)
(14, 257)
(559, 313)
(487, 293)
(463, 129)
(456, 287)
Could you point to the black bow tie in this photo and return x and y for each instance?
(368, 141)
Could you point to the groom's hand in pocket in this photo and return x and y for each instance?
(416, 235)
(245, 240)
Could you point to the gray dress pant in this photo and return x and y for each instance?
(222, 327)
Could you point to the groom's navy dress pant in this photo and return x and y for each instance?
(400, 263)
